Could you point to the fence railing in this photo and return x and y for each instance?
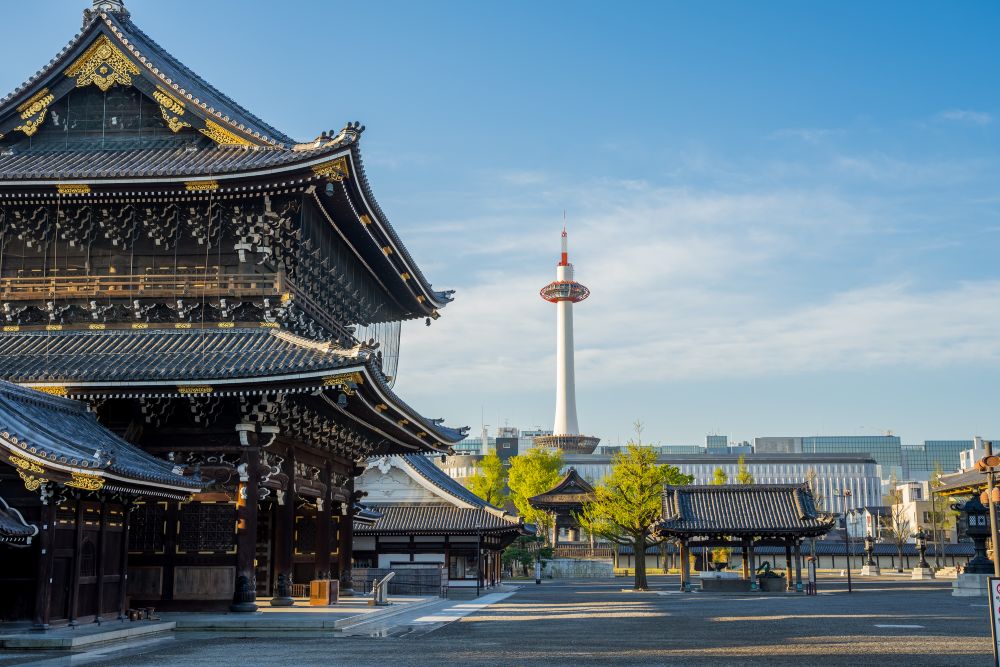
(408, 581)
(583, 551)
(142, 285)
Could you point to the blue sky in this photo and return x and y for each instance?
(788, 213)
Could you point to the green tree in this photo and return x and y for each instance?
(534, 472)
(490, 480)
(743, 475)
(523, 551)
(942, 516)
(720, 555)
(628, 502)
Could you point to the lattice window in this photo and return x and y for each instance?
(146, 526)
(206, 527)
(88, 559)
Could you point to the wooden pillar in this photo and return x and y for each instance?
(746, 561)
(685, 567)
(345, 544)
(74, 578)
(753, 567)
(46, 540)
(102, 545)
(798, 566)
(245, 595)
(788, 566)
(284, 536)
(127, 507)
(321, 569)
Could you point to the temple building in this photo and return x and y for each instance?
(223, 298)
(428, 520)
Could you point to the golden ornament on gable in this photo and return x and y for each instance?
(103, 65)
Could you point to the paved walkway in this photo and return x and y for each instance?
(885, 622)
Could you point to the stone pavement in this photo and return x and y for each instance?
(886, 621)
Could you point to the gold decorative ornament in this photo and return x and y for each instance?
(404, 275)
(34, 110)
(55, 391)
(97, 327)
(103, 65)
(381, 407)
(365, 220)
(26, 465)
(171, 108)
(73, 189)
(140, 325)
(226, 325)
(53, 327)
(403, 422)
(84, 481)
(31, 483)
(335, 170)
(194, 389)
(222, 136)
(269, 325)
(343, 378)
(201, 186)
(11, 327)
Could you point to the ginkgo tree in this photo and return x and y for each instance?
(533, 473)
(489, 482)
(628, 503)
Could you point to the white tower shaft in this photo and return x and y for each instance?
(565, 422)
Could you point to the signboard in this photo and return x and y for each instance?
(995, 616)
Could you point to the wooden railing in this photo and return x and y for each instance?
(175, 285)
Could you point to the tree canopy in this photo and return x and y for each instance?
(489, 482)
(743, 475)
(720, 478)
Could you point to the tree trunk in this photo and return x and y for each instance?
(639, 553)
(899, 550)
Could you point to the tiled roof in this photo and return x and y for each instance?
(62, 432)
(187, 79)
(27, 164)
(159, 355)
(425, 467)
(13, 528)
(162, 354)
(437, 520)
(742, 510)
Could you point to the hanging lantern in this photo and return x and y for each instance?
(996, 494)
(984, 498)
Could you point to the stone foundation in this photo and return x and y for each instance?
(922, 573)
(970, 585)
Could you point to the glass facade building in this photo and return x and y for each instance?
(885, 449)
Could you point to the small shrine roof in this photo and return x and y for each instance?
(571, 491)
(47, 437)
(742, 510)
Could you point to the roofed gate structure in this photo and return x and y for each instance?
(743, 516)
(220, 294)
(564, 502)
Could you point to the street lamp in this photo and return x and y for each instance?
(846, 495)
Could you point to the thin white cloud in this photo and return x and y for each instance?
(966, 116)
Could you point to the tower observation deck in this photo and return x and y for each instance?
(564, 292)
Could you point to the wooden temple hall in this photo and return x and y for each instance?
(222, 302)
(743, 517)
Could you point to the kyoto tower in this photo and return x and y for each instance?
(564, 292)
